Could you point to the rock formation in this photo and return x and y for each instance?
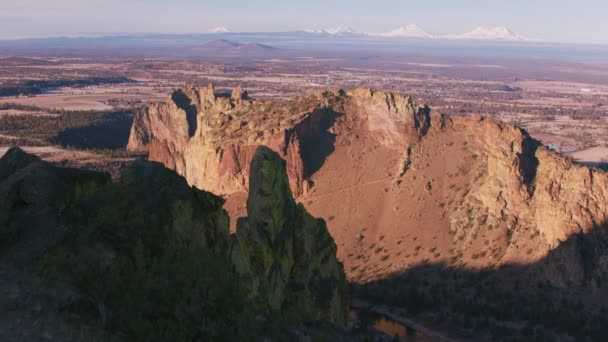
(149, 257)
(390, 177)
(288, 255)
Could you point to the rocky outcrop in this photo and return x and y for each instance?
(288, 256)
(149, 257)
(394, 119)
(227, 131)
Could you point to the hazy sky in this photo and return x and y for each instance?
(553, 20)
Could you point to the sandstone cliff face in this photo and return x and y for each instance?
(149, 257)
(392, 177)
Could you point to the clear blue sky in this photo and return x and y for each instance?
(584, 21)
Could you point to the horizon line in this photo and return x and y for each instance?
(357, 34)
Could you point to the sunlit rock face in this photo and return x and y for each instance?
(210, 139)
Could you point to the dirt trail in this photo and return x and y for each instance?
(347, 188)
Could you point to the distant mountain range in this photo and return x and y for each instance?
(498, 33)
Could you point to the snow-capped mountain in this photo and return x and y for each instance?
(497, 33)
(407, 31)
(219, 29)
(490, 33)
(336, 31)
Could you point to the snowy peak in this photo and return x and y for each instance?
(335, 31)
(490, 33)
(219, 29)
(407, 31)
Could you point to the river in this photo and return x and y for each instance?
(382, 323)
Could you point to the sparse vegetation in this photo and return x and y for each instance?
(79, 129)
(35, 87)
(488, 302)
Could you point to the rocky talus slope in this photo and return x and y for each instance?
(147, 257)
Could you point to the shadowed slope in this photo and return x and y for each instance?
(513, 301)
(150, 258)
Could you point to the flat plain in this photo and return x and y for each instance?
(562, 104)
